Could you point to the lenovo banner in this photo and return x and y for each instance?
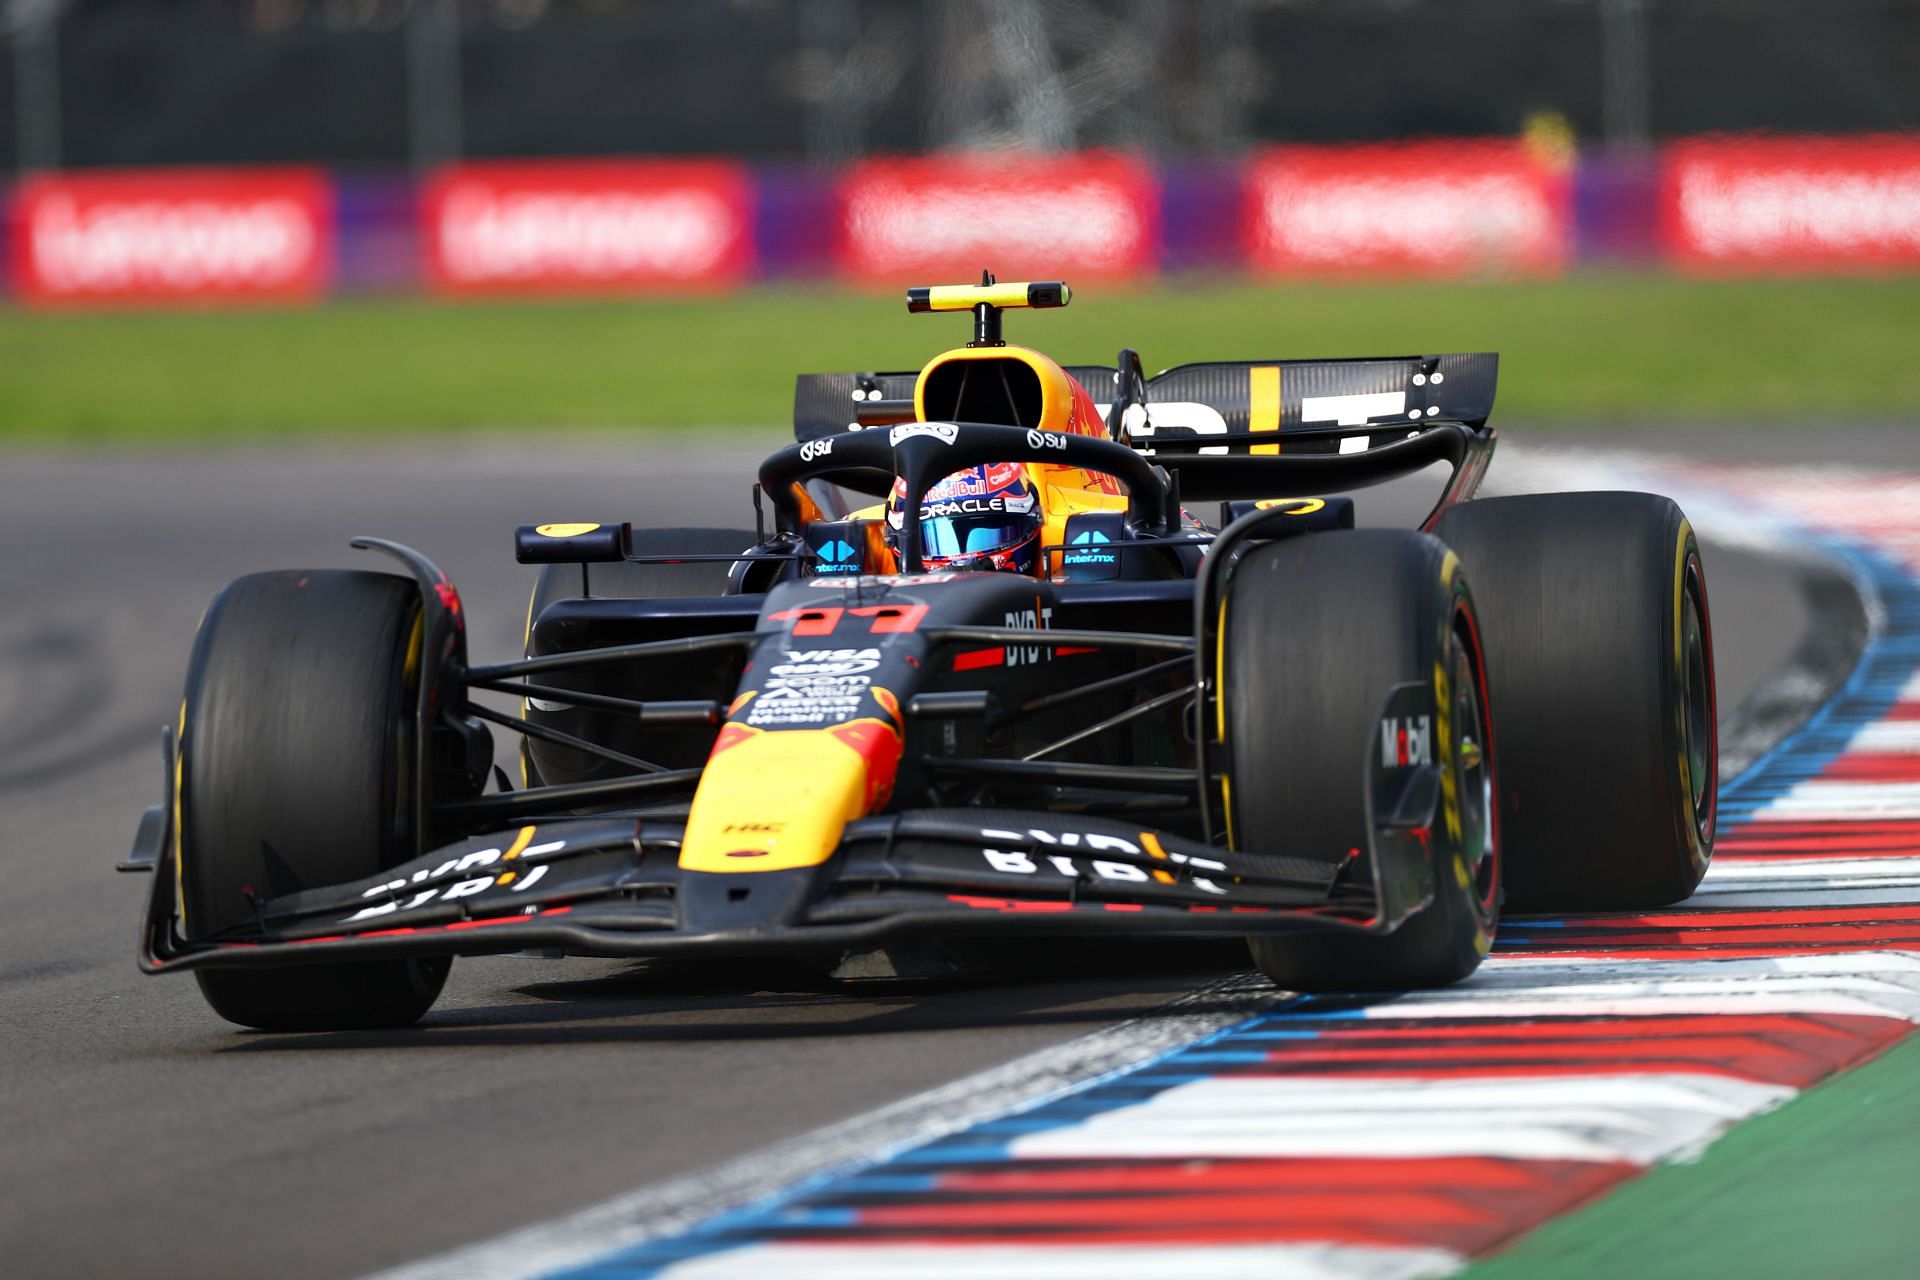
(173, 235)
(942, 219)
(1439, 208)
(588, 226)
(1792, 203)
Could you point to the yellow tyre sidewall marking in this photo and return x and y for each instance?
(1681, 544)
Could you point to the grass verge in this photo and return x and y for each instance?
(1825, 1186)
(1589, 348)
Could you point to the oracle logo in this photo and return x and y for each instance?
(628, 224)
(187, 235)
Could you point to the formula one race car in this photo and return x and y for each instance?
(1021, 691)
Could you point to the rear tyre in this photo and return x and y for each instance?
(1600, 649)
(296, 764)
(624, 580)
(1317, 632)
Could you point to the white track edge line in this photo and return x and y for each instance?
(665, 1208)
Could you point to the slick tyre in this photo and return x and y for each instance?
(1317, 631)
(550, 762)
(1600, 658)
(296, 748)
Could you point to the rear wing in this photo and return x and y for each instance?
(1221, 407)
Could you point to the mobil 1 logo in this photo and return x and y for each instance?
(1406, 741)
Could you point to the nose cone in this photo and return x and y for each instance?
(777, 800)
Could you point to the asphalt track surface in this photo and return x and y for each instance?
(140, 1134)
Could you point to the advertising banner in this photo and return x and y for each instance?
(1434, 208)
(174, 235)
(588, 226)
(943, 219)
(1730, 204)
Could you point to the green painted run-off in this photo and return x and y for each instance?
(1827, 1186)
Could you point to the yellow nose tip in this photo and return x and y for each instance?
(774, 802)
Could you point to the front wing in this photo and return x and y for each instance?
(611, 886)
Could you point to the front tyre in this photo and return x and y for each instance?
(1317, 631)
(296, 764)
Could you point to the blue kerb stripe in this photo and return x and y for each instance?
(804, 1216)
(967, 1149)
(1885, 665)
(888, 1183)
(1277, 1035)
(764, 1218)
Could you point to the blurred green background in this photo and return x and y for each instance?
(1586, 349)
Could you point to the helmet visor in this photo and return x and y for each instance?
(950, 536)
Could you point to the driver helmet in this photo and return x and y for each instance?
(984, 517)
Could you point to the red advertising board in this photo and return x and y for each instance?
(588, 226)
(165, 235)
(1440, 208)
(1792, 203)
(942, 219)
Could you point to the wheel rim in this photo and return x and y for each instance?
(1473, 778)
(1696, 717)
